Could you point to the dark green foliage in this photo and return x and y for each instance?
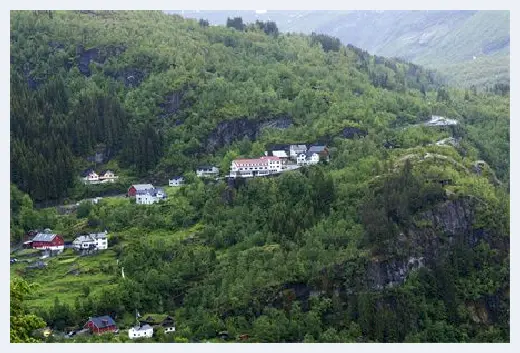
(391, 206)
(83, 210)
(268, 27)
(236, 23)
(328, 43)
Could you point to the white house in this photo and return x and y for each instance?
(84, 242)
(255, 167)
(108, 177)
(176, 181)
(140, 332)
(295, 150)
(91, 241)
(91, 177)
(101, 240)
(207, 171)
(308, 158)
(149, 196)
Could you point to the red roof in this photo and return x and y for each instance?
(262, 160)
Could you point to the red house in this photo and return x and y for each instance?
(101, 324)
(48, 241)
(132, 190)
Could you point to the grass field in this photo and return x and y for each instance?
(96, 272)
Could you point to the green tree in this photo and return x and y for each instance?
(22, 323)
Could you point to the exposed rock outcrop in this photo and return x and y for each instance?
(351, 132)
(448, 224)
(97, 55)
(231, 130)
(172, 103)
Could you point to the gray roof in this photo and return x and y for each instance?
(178, 178)
(317, 149)
(44, 237)
(98, 321)
(100, 235)
(142, 186)
(144, 327)
(83, 238)
(152, 192)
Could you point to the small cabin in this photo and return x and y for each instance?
(176, 181)
(144, 331)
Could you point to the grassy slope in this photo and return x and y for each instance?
(54, 282)
(98, 271)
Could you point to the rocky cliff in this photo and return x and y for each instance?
(424, 245)
(229, 131)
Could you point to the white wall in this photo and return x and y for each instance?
(102, 243)
(175, 182)
(169, 329)
(133, 333)
(145, 199)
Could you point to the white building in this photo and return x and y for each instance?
(255, 167)
(108, 177)
(149, 196)
(207, 171)
(84, 242)
(140, 332)
(176, 181)
(91, 178)
(97, 241)
(101, 240)
(309, 158)
(295, 150)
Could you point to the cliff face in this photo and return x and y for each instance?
(232, 130)
(435, 234)
(97, 55)
(447, 225)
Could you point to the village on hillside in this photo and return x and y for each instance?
(40, 246)
(277, 159)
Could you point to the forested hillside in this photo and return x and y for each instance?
(398, 238)
(468, 47)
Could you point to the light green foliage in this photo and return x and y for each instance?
(22, 323)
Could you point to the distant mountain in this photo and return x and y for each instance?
(469, 47)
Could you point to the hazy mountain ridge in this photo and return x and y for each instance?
(438, 39)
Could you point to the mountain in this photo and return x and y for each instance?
(401, 236)
(468, 47)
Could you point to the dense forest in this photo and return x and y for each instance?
(396, 239)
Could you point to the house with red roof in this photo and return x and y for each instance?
(101, 324)
(48, 241)
(251, 167)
